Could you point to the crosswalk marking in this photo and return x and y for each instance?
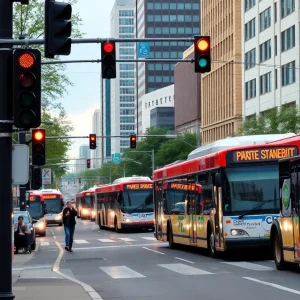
(126, 239)
(45, 243)
(250, 266)
(106, 240)
(81, 242)
(149, 238)
(118, 272)
(184, 269)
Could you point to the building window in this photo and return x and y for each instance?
(250, 58)
(250, 89)
(275, 12)
(288, 74)
(276, 79)
(250, 30)
(275, 45)
(265, 19)
(265, 84)
(288, 39)
(265, 51)
(287, 7)
(249, 4)
(156, 102)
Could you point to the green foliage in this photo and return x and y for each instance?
(283, 120)
(29, 22)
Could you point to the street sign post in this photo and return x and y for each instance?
(46, 175)
(143, 49)
(20, 164)
(116, 158)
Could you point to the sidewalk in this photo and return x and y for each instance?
(40, 282)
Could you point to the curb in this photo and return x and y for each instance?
(91, 292)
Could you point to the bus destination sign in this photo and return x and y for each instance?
(264, 154)
(183, 186)
(50, 196)
(139, 186)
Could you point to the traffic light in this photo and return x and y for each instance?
(108, 60)
(36, 178)
(88, 163)
(38, 140)
(27, 88)
(93, 142)
(202, 54)
(133, 141)
(58, 28)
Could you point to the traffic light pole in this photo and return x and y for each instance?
(6, 203)
(22, 187)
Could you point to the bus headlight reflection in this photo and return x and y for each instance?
(238, 232)
(128, 221)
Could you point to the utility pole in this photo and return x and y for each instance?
(22, 187)
(6, 113)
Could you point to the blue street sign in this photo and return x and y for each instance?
(116, 158)
(143, 49)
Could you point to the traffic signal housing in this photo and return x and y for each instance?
(202, 54)
(133, 141)
(38, 140)
(36, 178)
(88, 163)
(27, 88)
(108, 60)
(58, 28)
(93, 141)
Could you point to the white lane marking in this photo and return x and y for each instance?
(249, 266)
(118, 272)
(120, 246)
(154, 251)
(126, 240)
(185, 260)
(277, 286)
(81, 242)
(149, 238)
(45, 243)
(106, 240)
(184, 269)
(92, 293)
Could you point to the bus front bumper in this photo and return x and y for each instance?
(231, 244)
(145, 225)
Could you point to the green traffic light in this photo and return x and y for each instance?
(27, 99)
(109, 72)
(202, 62)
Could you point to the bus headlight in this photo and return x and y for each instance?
(238, 232)
(40, 225)
(128, 221)
(85, 211)
(93, 213)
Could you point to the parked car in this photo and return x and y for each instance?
(27, 220)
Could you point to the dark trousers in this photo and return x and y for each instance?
(69, 232)
(22, 241)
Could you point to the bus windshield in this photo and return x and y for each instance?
(137, 201)
(53, 206)
(36, 210)
(86, 201)
(248, 187)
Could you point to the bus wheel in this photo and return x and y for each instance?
(211, 246)
(116, 225)
(278, 253)
(172, 245)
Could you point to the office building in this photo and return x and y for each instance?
(221, 89)
(163, 19)
(162, 117)
(96, 127)
(161, 98)
(271, 55)
(122, 89)
(84, 154)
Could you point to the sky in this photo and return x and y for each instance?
(83, 97)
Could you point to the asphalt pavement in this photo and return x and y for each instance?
(134, 265)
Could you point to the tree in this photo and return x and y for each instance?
(283, 120)
(29, 22)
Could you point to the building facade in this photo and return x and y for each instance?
(187, 102)
(122, 89)
(163, 19)
(221, 91)
(271, 55)
(163, 97)
(162, 117)
(96, 127)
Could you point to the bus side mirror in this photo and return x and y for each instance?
(218, 179)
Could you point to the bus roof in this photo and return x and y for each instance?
(90, 190)
(231, 142)
(115, 187)
(132, 178)
(51, 192)
(288, 140)
(210, 161)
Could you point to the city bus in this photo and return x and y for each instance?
(240, 190)
(85, 202)
(285, 231)
(54, 204)
(126, 203)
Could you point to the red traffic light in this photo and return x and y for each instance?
(38, 135)
(203, 45)
(108, 47)
(88, 161)
(133, 138)
(26, 60)
(93, 138)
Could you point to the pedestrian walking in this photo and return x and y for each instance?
(69, 214)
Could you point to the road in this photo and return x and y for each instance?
(127, 266)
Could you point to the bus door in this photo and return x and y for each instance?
(192, 218)
(296, 217)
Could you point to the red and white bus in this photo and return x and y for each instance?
(85, 202)
(240, 193)
(127, 203)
